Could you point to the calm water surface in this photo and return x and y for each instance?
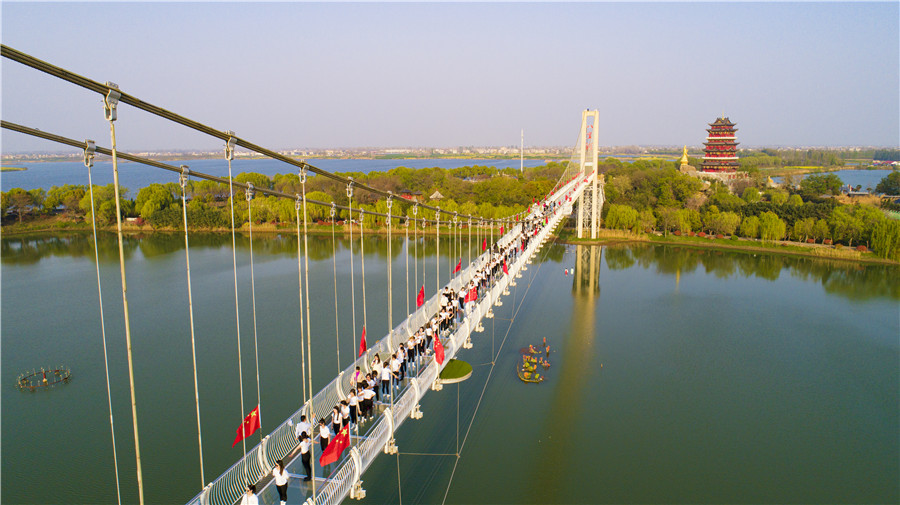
(135, 176)
(678, 375)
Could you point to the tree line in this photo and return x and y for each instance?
(644, 196)
(499, 193)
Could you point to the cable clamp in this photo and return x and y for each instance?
(390, 201)
(333, 210)
(229, 145)
(250, 191)
(298, 202)
(89, 149)
(183, 176)
(416, 209)
(111, 100)
(303, 175)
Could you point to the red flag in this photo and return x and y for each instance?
(438, 350)
(458, 266)
(504, 268)
(501, 229)
(248, 427)
(483, 245)
(473, 294)
(336, 447)
(523, 246)
(362, 342)
(532, 199)
(420, 298)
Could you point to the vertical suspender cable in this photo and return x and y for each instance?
(416, 252)
(406, 244)
(470, 240)
(337, 340)
(352, 274)
(182, 179)
(109, 108)
(89, 162)
(362, 260)
(229, 155)
(390, 284)
(253, 298)
(297, 205)
(312, 455)
(437, 256)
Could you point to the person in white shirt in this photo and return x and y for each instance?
(367, 395)
(301, 427)
(345, 414)
(250, 497)
(281, 480)
(336, 419)
(306, 456)
(377, 365)
(353, 404)
(385, 380)
(395, 369)
(324, 434)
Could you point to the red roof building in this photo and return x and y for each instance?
(720, 147)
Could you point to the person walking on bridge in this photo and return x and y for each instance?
(324, 434)
(281, 480)
(305, 456)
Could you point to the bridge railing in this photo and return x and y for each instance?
(258, 462)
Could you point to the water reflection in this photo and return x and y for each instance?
(856, 281)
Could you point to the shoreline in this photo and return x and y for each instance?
(607, 237)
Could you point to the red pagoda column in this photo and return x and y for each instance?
(720, 147)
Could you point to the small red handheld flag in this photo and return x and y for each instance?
(483, 245)
(334, 450)
(362, 342)
(248, 427)
(420, 298)
(458, 266)
(438, 350)
(505, 271)
(501, 229)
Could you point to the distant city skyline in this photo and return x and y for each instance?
(444, 75)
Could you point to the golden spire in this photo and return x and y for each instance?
(684, 156)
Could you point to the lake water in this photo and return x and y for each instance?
(864, 178)
(678, 375)
(135, 176)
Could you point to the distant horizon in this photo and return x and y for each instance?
(459, 74)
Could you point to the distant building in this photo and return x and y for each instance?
(436, 196)
(415, 196)
(721, 148)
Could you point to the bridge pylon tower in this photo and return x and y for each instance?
(591, 201)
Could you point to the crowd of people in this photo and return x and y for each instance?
(378, 387)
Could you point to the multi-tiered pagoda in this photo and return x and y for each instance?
(721, 148)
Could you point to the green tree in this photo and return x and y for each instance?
(795, 201)
(750, 227)
(890, 184)
(19, 201)
(886, 239)
(153, 198)
(668, 219)
(803, 229)
(771, 227)
(751, 195)
(820, 230)
(820, 184)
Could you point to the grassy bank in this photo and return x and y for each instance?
(605, 237)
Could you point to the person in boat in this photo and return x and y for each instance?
(548, 351)
(532, 349)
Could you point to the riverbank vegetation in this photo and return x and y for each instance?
(645, 196)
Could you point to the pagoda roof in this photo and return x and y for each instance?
(724, 144)
(710, 130)
(722, 121)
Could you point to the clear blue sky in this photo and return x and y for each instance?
(449, 74)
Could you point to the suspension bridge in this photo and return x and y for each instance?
(503, 259)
